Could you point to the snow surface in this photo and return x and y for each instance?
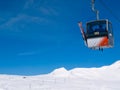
(103, 78)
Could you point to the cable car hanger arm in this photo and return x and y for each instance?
(95, 10)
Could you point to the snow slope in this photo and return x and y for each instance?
(103, 78)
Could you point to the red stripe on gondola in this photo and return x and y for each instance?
(104, 42)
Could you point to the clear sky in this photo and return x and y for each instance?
(38, 36)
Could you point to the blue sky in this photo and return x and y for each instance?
(38, 36)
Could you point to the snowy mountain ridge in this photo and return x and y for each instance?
(103, 78)
(108, 72)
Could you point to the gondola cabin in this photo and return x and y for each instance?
(99, 34)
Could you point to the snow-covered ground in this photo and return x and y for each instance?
(104, 78)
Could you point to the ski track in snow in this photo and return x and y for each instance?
(104, 78)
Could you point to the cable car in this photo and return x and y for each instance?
(98, 33)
